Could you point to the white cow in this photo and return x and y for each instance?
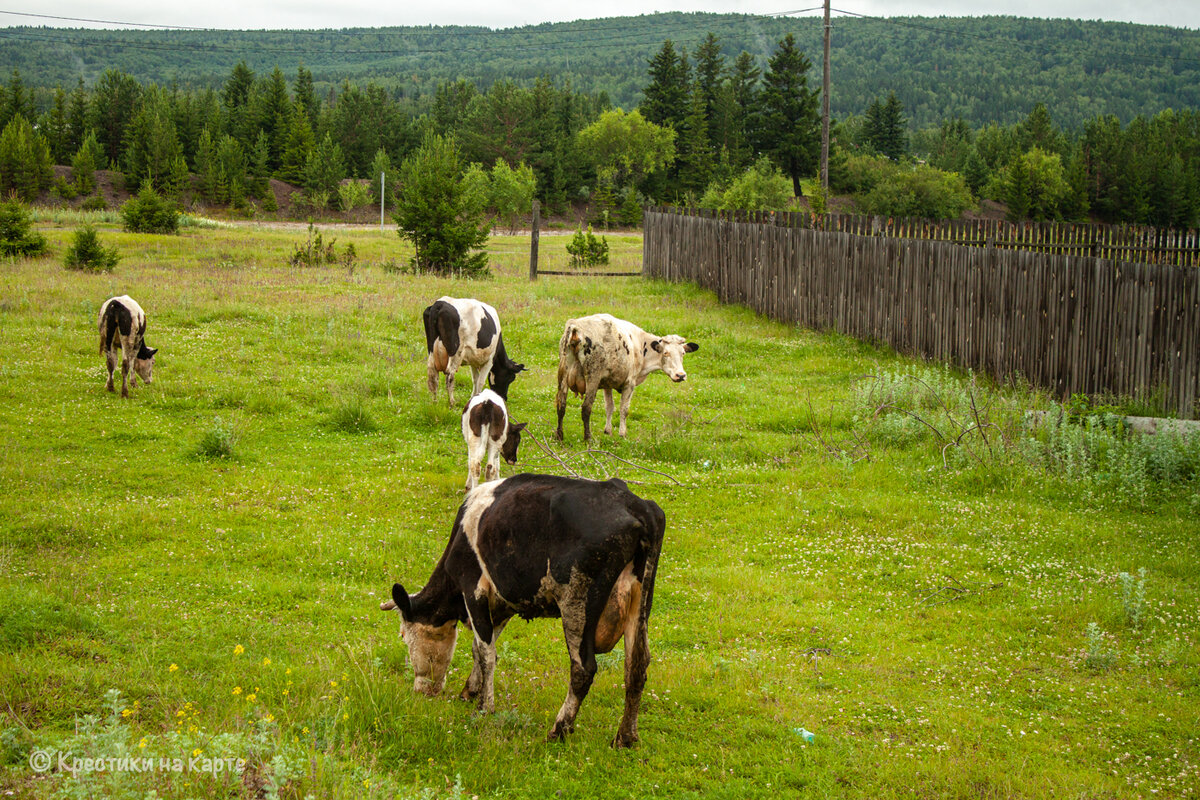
(603, 352)
(465, 331)
(488, 431)
(122, 325)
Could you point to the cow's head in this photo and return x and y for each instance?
(430, 641)
(503, 374)
(509, 448)
(671, 349)
(143, 364)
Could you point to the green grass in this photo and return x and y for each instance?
(215, 549)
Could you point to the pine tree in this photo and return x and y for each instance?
(297, 147)
(77, 118)
(115, 103)
(206, 166)
(325, 168)
(893, 129)
(56, 128)
(710, 74)
(789, 125)
(260, 167)
(666, 97)
(305, 96)
(25, 166)
(270, 112)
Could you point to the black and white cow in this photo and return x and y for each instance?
(603, 352)
(464, 331)
(489, 433)
(541, 546)
(122, 326)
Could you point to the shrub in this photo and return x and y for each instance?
(314, 251)
(761, 188)
(587, 251)
(217, 442)
(87, 254)
(17, 237)
(94, 203)
(149, 212)
(353, 194)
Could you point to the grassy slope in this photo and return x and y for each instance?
(123, 553)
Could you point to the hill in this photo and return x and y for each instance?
(983, 69)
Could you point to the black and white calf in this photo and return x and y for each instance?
(464, 331)
(489, 432)
(122, 326)
(541, 546)
(603, 352)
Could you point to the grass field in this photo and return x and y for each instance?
(195, 573)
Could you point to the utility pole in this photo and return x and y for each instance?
(825, 110)
(382, 195)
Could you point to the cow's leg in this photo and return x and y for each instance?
(637, 659)
(560, 405)
(480, 684)
(481, 375)
(608, 411)
(589, 397)
(111, 358)
(626, 399)
(475, 452)
(581, 646)
(126, 367)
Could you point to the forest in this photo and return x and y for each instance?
(982, 69)
(706, 128)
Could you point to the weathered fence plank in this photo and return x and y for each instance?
(1038, 304)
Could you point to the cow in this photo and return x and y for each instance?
(541, 546)
(122, 325)
(464, 331)
(490, 433)
(603, 352)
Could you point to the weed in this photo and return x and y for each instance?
(1100, 653)
(217, 442)
(1133, 597)
(353, 416)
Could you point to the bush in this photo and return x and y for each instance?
(87, 254)
(150, 212)
(352, 194)
(761, 188)
(587, 251)
(889, 189)
(17, 237)
(94, 203)
(315, 252)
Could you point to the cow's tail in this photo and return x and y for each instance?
(568, 357)
(108, 327)
(645, 560)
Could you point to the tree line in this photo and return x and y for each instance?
(982, 69)
(710, 130)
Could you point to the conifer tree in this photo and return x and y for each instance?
(788, 123)
(666, 97)
(25, 167)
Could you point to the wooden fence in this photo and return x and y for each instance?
(1119, 242)
(1066, 323)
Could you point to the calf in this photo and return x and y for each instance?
(122, 326)
(464, 331)
(488, 431)
(603, 352)
(541, 546)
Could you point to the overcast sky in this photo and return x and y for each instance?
(253, 14)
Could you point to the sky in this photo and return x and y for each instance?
(256, 14)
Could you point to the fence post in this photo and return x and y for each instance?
(533, 240)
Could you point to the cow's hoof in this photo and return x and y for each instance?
(624, 740)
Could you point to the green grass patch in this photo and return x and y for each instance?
(955, 602)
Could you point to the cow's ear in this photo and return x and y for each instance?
(656, 345)
(691, 347)
(518, 427)
(400, 598)
(150, 351)
(518, 367)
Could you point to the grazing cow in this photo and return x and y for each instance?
(465, 331)
(603, 352)
(488, 431)
(541, 546)
(122, 326)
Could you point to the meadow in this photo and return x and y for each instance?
(859, 545)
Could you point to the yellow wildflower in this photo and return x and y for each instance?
(142, 744)
(250, 698)
(266, 662)
(197, 752)
(238, 650)
(173, 668)
(237, 690)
